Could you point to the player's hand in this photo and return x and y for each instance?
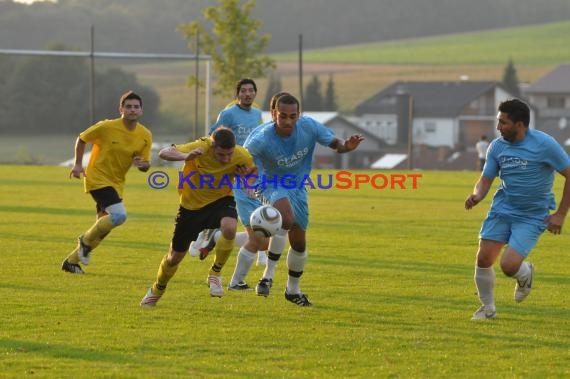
(76, 171)
(140, 163)
(554, 222)
(353, 141)
(472, 201)
(243, 170)
(194, 153)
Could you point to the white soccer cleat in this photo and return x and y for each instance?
(215, 284)
(484, 313)
(522, 288)
(195, 246)
(150, 299)
(261, 258)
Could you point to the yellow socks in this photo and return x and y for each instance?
(165, 273)
(98, 231)
(223, 250)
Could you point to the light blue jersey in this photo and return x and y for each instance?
(287, 159)
(240, 121)
(526, 169)
(292, 155)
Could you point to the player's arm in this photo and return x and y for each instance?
(171, 153)
(556, 220)
(479, 192)
(77, 169)
(344, 146)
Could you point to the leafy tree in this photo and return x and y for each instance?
(273, 87)
(233, 44)
(313, 100)
(330, 96)
(510, 79)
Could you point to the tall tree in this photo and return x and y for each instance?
(510, 79)
(273, 87)
(313, 100)
(233, 44)
(330, 96)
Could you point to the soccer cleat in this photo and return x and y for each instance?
(522, 288)
(262, 288)
(208, 244)
(298, 298)
(150, 299)
(241, 286)
(484, 313)
(261, 258)
(84, 251)
(194, 249)
(215, 284)
(72, 268)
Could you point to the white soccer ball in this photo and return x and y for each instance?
(265, 221)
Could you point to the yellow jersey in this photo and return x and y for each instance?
(204, 179)
(114, 147)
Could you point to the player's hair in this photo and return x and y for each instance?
(274, 98)
(287, 99)
(129, 95)
(223, 138)
(245, 81)
(517, 110)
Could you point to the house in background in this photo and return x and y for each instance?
(326, 158)
(550, 96)
(443, 119)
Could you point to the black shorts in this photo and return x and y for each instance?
(188, 224)
(105, 197)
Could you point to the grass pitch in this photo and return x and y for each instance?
(389, 273)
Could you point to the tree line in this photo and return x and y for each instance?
(150, 26)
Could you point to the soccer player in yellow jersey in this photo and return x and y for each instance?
(117, 145)
(206, 202)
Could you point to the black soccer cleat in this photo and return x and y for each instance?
(299, 298)
(262, 288)
(72, 268)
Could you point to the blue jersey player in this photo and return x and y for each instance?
(284, 149)
(525, 160)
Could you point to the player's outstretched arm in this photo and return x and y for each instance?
(479, 192)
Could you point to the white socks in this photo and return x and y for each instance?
(296, 264)
(485, 282)
(244, 261)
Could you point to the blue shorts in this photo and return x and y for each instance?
(297, 198)
(520, 236)
(245, 205)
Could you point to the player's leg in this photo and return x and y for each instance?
(523, 238)
(111, 213)
(277, 241)
(492, 238)
(245, 258)
(186, 228)
(297, 254)
(223, 212)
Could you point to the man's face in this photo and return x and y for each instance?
(509, 130)
(131, 110)
(246, 95)
(224, 156)
(286, 116)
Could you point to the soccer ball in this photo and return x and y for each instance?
(265, 221)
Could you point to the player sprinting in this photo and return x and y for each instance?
(284, 148)
(525, 160)
(117, 145)
(203, 207)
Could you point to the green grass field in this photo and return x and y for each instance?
(389, 273)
